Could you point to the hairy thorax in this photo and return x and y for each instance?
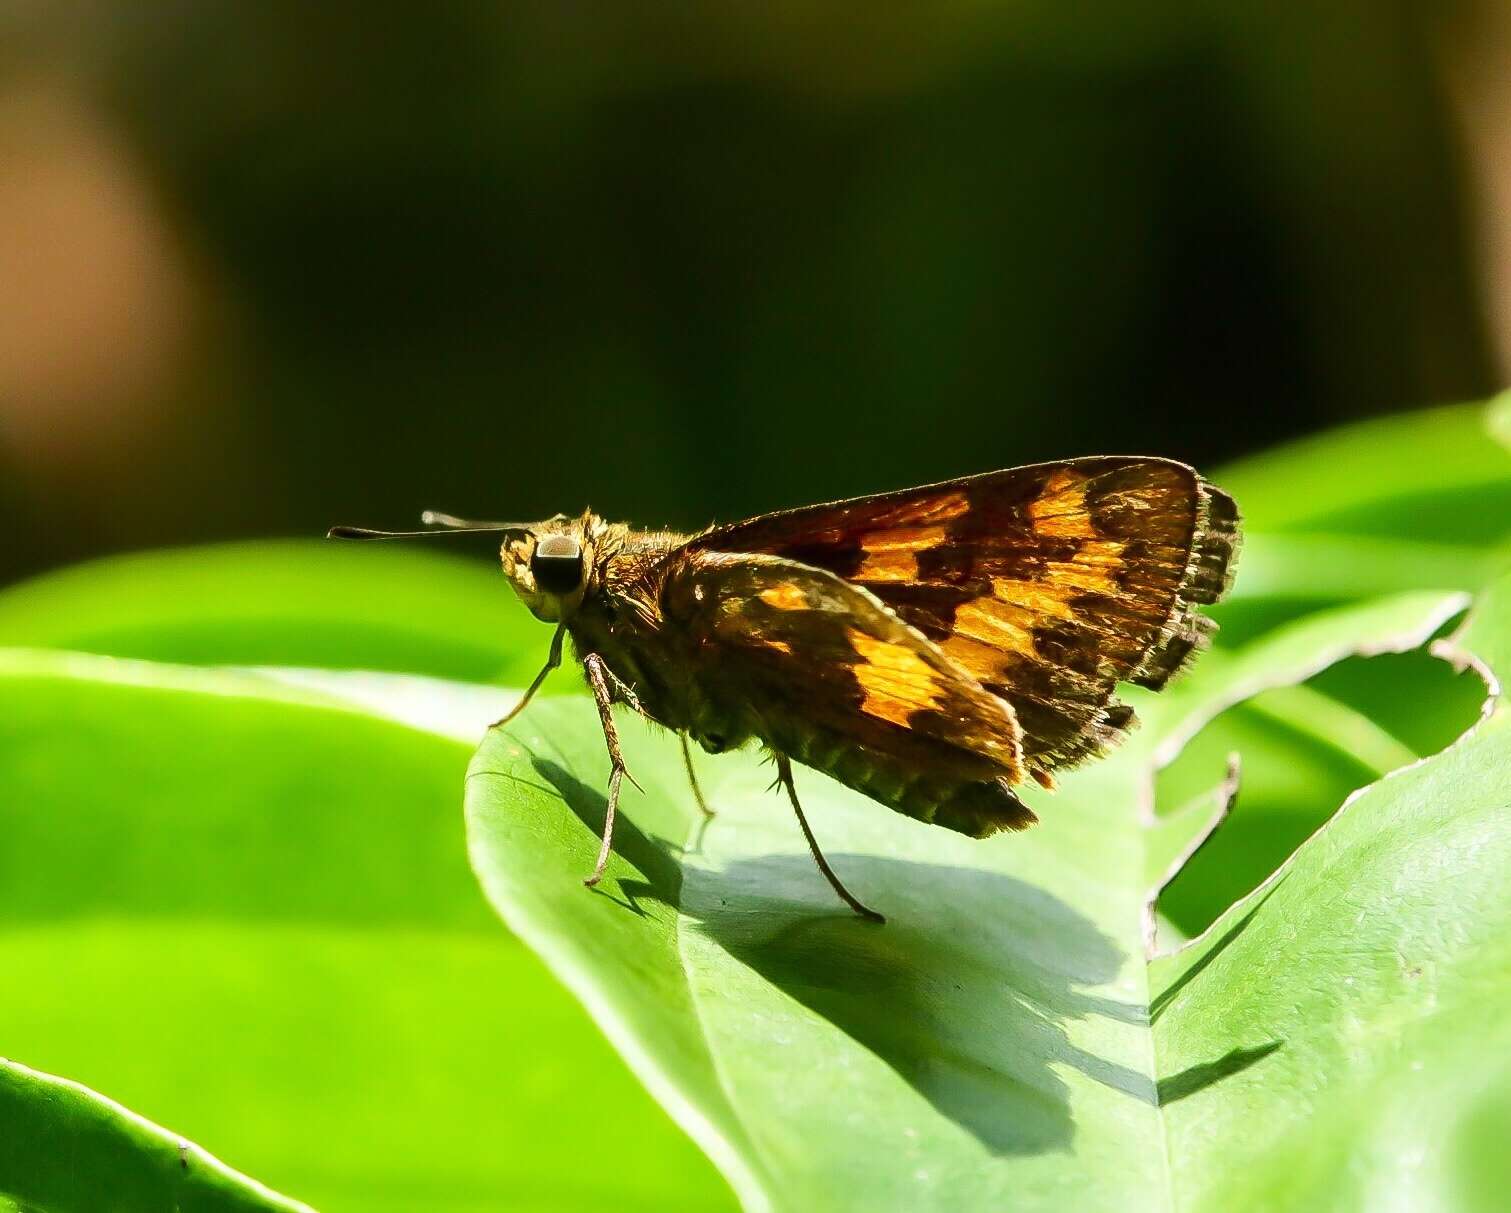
(674, 683)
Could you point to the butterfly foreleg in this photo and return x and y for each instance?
(784, 777)
(553, 659)
(602, 681)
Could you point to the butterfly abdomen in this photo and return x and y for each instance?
(982, 809)
(976, 807)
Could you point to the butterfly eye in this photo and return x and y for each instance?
(557, 564)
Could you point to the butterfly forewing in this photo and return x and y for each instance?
(1045, 584)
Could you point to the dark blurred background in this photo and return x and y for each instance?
(267, 266)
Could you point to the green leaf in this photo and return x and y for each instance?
(1002, 1041)
(239, 903)
(1376, 956)
(64, 1147)
(1419, 501)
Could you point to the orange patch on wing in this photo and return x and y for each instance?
(1101, 553)
(988, 628)
(905, 539)
(887, 566)
(787, 597)
(1038, 600)
(980, 659)
(942, 509)
(1060, 510)
(996, 625)
(1092, 570)
(892, 555)
(896, 680)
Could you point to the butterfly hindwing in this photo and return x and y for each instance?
(823, 672)
(1045, 584)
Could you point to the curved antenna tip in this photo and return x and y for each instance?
(362, 532)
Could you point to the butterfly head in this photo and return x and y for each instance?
(550, 563)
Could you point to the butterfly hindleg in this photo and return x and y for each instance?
(692, 776)
(784, 777)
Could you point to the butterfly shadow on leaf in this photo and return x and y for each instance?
(963, 993)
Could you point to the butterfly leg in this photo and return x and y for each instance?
(621, 692)
(599, 677)
(692, 776)
(784, 777)
(552, 661)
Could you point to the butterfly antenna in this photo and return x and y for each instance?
(452, 523)
(362, 532)
(444, 524)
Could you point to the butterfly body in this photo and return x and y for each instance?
(931, 648)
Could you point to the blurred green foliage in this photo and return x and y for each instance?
(695, 261)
